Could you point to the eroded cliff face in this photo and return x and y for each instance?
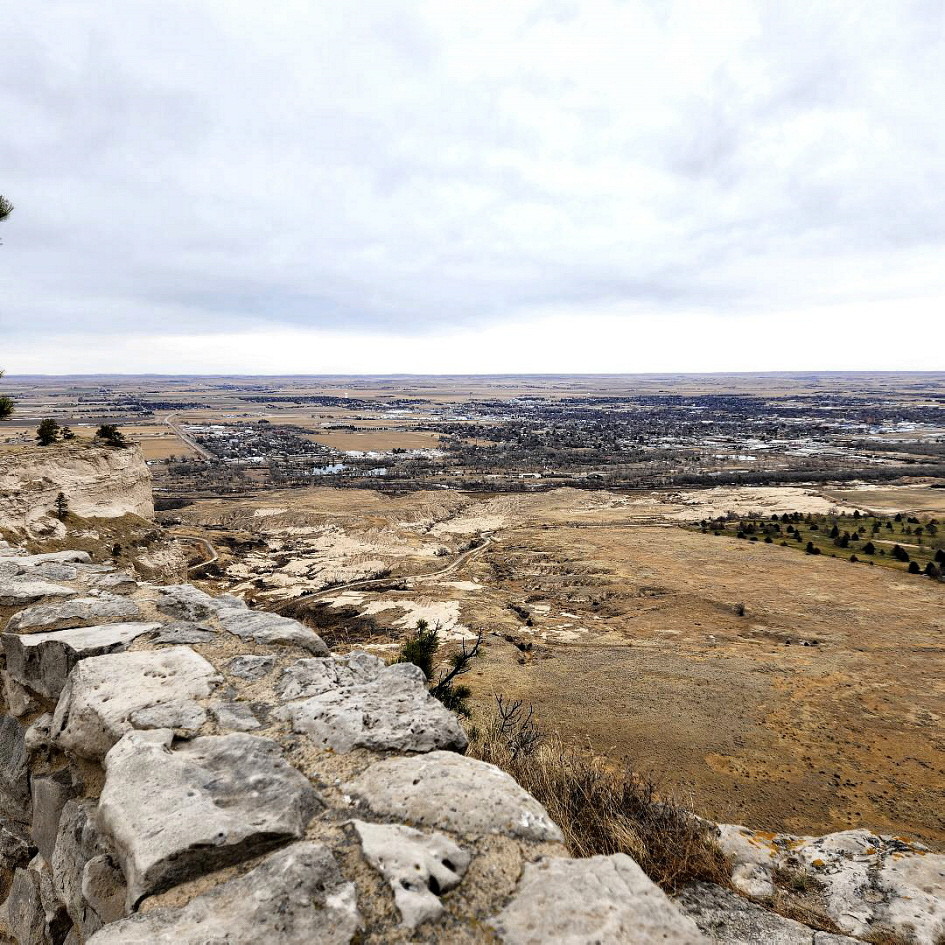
(98, 482)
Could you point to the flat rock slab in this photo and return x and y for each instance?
(362, 703)
(868, 882)
(603, 899)
(17, 593)
(80, 611)
(250, 667)
(294, 897)
(728, 919)
(419, 867)
(453, 792)
(182, 632)
(176, 814)
(186, 602)
(43, 661)
(270, 629)
(105, 693)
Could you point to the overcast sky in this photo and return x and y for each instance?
(444, 186)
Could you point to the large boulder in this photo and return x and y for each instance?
(43, 661)
(359, 702)
(452, 792)
(294, 897)
(589, 902)
(107, 696)
(80, 611)
(173, 814)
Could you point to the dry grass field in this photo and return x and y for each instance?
(787, 691)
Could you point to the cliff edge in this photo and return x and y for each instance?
(98, 482)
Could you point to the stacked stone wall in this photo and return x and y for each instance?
(178, 768)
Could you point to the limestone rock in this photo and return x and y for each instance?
(43, 661)
(182, 632)
(270, 629)
(175, 814)
(14, 771)
(50, 793)
(250, 667)
(27, 562)
(294, 897)
(728, 919)
(419, 867)
(116, 582)
(182, 714)
(234, 716)
(452, 792)
(185, 602)
(104, 693)
(19, 592)
(370, 705)
(22, 916)
(188, 603)
(19, 700)
(868, 881)
(85, 878)
(79, 611)
(53, 571)
(589, 902)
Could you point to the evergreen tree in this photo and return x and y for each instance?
(62, 507)
(111, 435)
(47, 432)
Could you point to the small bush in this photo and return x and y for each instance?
(421, 650)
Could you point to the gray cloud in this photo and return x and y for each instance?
(223, 165)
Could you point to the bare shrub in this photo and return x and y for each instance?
(601, 808)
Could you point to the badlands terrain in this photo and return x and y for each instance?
(765, 686)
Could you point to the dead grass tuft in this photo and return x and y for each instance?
(602, 809)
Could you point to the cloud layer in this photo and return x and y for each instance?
(218, 168)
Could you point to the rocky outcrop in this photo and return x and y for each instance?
(98, 482)
(178, 769)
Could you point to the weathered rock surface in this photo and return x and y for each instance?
(97, 481)
(43, 661)
(80, 611)
(18, 592)
(590, 902)
(14, 771)
(177, 813)
(50, 793)
(452, 792)
(104, 693)
(294, 897)
(868, 881)
(180, 803)
(234, 716)
(728, 919)
(250, 667)
(419, 867)
(188, 603)
(360, 702)
(270, 629)
(86, 879)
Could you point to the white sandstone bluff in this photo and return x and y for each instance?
(177, 769)
(98, 482)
